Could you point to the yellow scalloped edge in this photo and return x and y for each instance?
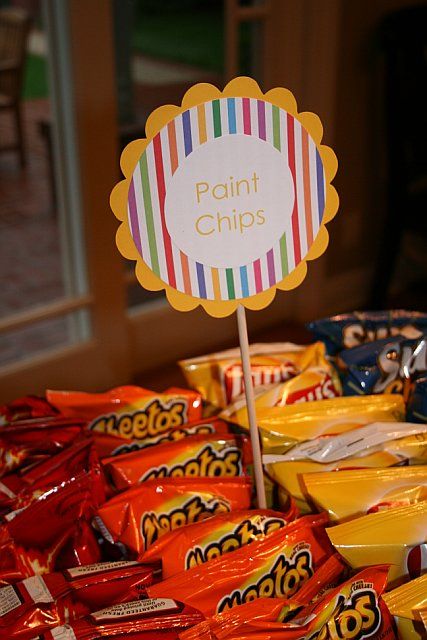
(197, 94)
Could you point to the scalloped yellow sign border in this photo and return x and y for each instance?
(198, 94)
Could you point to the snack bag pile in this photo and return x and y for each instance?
(131, 513)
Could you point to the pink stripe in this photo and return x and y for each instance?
(271, 269)
(258, 277)
(246, 116)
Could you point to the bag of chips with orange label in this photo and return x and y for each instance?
(276, 566)
(141, 515)
(108, 445)
(209, 456)
(354, 492)
(130, 412)
(201, 542)
(352, 610)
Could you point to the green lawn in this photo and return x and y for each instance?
(35, 78)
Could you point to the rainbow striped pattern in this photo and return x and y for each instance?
(170, 147)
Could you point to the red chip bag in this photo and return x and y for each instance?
(28, 441)
(130, 412)
(152, 619)
(25, 408)
(276, 566)
(200, 542)
(21, 488)
(40, 603)
(142, 514)
(54, 528)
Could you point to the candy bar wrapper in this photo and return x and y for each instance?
(201, 542)
(312, 384)
(354, 609)
(141, 515)
(219, 376)
(408, 605)
(39, 603)
(130, 412)
(396, 536)
(276, 566)
(207, 456)
(349, 330)
(417, 401)
(283, 427)
(384, 366)
(355, 492)
(54, 529)
(109, 445)
(290, 475)
(151, 619)
(20, 489)
(25, 442)
(25, 408)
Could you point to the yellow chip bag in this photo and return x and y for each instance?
(397, 537)
(219, 376)
(283, 427)
(354, 492)
(290, 475)
(408, 605)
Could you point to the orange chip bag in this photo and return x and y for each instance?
(353, 610)
(276, 566)
(108, 445)
(142, 514)
(130, 412)
(328, 576)
(197, 543)
(207, 456)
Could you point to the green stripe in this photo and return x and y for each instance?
(216, 118)
(276, 127)
(149, 214)
(230, 284)
(284, 255)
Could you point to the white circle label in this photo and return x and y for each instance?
(237, 204)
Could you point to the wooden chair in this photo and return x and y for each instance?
(14, 29)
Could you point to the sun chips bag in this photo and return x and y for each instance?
(396, 536)
(406, 604)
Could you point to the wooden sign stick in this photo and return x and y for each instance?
(250, 404)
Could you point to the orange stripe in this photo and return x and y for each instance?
(216, 285)
(201, 115)
(185, 273)
(307, 189)
(172, 146)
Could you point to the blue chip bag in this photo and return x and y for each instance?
(417, 402)
(349, 330)
(389, 365)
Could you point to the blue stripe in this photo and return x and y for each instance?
(201, 280)
(320, 186)
(231, 105)
(186, 125)
(244, 282)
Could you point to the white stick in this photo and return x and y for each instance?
(250, 403)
